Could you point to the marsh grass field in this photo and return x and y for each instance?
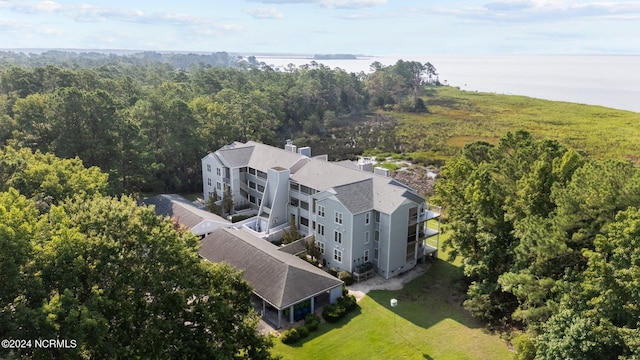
(457, 117)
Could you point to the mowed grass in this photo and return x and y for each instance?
(428, 323)
(457, 117)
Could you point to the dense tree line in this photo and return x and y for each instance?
(549, 240)
(110, 277)
(147, 124)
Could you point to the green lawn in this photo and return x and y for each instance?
(429, 323)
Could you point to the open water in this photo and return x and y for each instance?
(607, 80)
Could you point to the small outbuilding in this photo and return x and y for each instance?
(279, 279)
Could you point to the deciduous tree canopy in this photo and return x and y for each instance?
(547, 237)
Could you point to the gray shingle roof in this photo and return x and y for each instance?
(258, 156)
(181, 210)
(280, 278)
(237, 156)
(265, 157)
(356, 197)
(324, 175)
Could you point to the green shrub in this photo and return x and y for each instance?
(348, 302)
(333, 271)
(333, 312)
(525, 348)
(302, 331)
(290, 336)
(346, 277)
(311, 322)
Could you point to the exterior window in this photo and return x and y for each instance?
(219, 186)
(321, 229)
(320, 210)
(366, 237)
(260, 188)
(304, 205)
(294, 202)
(209, 181)
(313, 225)
(304, 221)
(305, 190)
(337, 237)
(252, 185)
(367, 218)
(366, 255)
(252, 199)
(337, 255)
(294, 186)
(320, 246)
(243, 169)
(376, 236)
(218, 171)
(338, 217)
(375, 254)
(261, 174)
(252, 171)
(209, 167)
(377, 217)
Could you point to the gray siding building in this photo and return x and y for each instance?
(357, 217)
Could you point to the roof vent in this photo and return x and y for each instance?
(290, 147)
(306, 151)
(381, 171)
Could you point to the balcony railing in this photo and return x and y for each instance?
(431, 212)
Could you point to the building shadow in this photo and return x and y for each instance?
(436, 295)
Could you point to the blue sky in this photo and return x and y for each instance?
(371, 27)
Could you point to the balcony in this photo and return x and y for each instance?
(431, 212)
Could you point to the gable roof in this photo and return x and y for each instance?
(237, 156)
(356, 197)
(182, 210)
(258, 156)
(279, 278)
(323, 175)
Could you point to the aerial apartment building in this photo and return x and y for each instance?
(360, 217)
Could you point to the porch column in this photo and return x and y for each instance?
(313, 304)
(291, 314)
(279, 318)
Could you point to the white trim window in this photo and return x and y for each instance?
(366, 255)
(320, 229)
(337, 237)
(367, 218)
(366, 237)
(320, 246)
(338, 217)
(337, 255)
(218, 172)
(208, 167)
(209, 181)
(320, 210)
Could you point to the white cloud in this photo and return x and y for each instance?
(31, 6)
(543, 10)
(333, 4)
(265, 13)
